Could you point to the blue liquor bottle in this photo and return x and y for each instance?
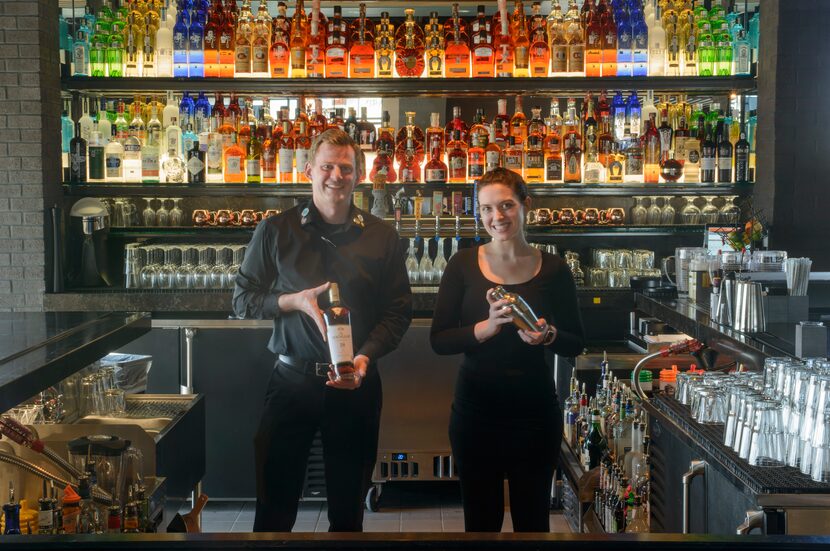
(187, 110)
(196, 48)
(181, 44)
(639, 43)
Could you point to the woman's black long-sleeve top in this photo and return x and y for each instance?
(504, 377)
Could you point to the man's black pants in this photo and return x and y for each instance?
(296, 405)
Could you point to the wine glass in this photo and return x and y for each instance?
(176, 213)
(219, 270)
(148, 214)
(710, 213)
(639, 213)
(440, 263)
(148, 277)
(730, 212)
(667, 213)
(654, 212)
(690, 214)
(162, 215)
(412, 263)
(166, 277)
(425, 266)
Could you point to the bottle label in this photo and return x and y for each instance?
(233, 165)
(458, 164)
(725, 163)
(436, 175)
(301, 159)
(252, 167)
(553, 170)
(243, 59)
(259, 61)
(195, 165)
(340, 343)
(114, 166)
(559, 58)
(491, 159)
(96, 162)
(707, 163)
(214, 157)
(150, 162)
(513, 161)
(534, 159)
(576, 58)
(286, 157)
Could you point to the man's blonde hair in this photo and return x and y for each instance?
(336, 137)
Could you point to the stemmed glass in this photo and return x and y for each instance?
(219, 270)
(148, 214)
(425, 266)
(201, 275)
(162, 215)
(412, 263)
(710, 213)
(176, 213)
(690, 214)
(166, 277)
(454, 247)
(730, 212)
(639, 214)
(149, 273)
(654, 212)
(184, 272)
(230, 276)
(440, 263)
(667, 214)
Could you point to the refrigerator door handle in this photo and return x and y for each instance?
(696, 468)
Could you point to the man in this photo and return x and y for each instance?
(289, 265)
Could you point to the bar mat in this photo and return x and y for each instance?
(760, 480)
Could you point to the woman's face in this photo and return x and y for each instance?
(502, 213)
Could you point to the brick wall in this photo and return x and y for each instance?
(29, 143)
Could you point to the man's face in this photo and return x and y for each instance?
(333, 174)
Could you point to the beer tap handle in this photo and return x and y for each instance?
(477, 236)
(417, 228)
(437, 228)
(457, 227)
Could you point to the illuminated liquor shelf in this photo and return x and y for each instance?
(397, 87)
(304, 189)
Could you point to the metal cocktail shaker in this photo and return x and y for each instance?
(521, 312)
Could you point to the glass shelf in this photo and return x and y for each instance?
(609, 231)
(211, 232)
(304, 189)
(397, 87)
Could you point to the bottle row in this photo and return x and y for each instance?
(212, 38)
(608, 431)
(616, 141)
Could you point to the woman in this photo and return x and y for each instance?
(506, 420)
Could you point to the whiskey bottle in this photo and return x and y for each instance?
(384, 46)
(476, 155)
(435, 134)
(435, 171)
(336, 46)
(280, 55)
(339, 335)
(227, 44)
(457, 123)
(409, 47)
(553, 146)
(366, 131)
(513, 156)
(434, 47)
(410, 165)
(521, 42)
(315, 63)
(242, 42)
(362, 50)
(518, 123)
(651, 152)
(539, 53)
(575, 36)
(572, 147)
(417, 135)
(457, 49)
(557, 42)
(534, 169)
(298, 42)
(483, 55)
(457, 159)
(504, 47)
(608, 40)
(492, 153)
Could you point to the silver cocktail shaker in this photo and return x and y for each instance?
(521, 312)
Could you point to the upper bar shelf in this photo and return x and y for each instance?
(396, 87)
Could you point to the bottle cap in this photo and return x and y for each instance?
(70, 496)
(334, 293)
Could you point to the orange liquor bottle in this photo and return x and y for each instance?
(409, 47)
(280, 55)
(457, 159)
(212, 31)
(410, 163)
(302, 146)
(513, 156)
(261, 42)
(483, 54)
(386, 135)
(234, 164)
(384, 46)
(317, 123)
(285, 156)
(504, 45)
(593, 46)
(337, 62)
(479, 128)
(435, 171)
(608, 40)
(417, 137)
(457, 51)
(315, 54)
(268, 165)
(476, 156)
(518, 123)
(298, 41)
(521, 43)
(539, 53)
(362, 50)
(435, 134)
(227, 41)
(492, 153)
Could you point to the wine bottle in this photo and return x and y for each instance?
(339, 333)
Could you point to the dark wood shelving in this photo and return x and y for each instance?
(397, 87)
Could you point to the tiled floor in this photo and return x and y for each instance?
(404, 507)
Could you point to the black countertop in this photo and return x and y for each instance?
(692, 319)
(39, 349)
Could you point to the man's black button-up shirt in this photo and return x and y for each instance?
(297, 250)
